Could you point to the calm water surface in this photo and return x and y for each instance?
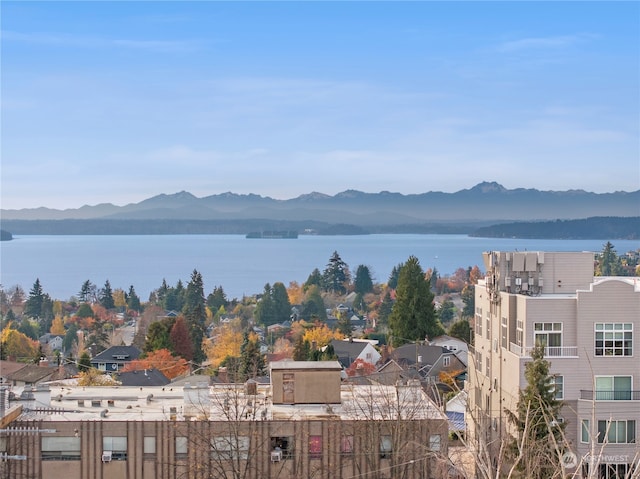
(241, 266)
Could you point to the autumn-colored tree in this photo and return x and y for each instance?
(295, 292)
(119, 299)
(321, 334)
(226, 343)
(17, 345)
(283, 348)
(180, 339)
(93, 377)
(360, 367)
(163, 361)
(57, 326)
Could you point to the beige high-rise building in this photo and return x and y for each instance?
(590, 329)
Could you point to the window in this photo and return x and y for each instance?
(488, 366)
(479, 324)
(503, 333)
(585, 434)
(613, 388)
(558, 387)
(435, 442)
(386, 447)
(315, 447)
(488, 328)
(182, 446)
(149, 445)
(617, 432)
(614, 339)
(230, 447)
(446, 361)
(478, 361)
(283, 444)
(117, 445)
(346, 445)
(61, 448)
(549, 336)
(519, 332)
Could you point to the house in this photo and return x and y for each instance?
(428, 360)
(588, 327)
(113, 359)
(52, 341)
(30, 374)
(324, 433)
(458, 346)
(8, 368)
(348, 350)
(145, 377)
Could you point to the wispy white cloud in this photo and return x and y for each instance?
(548, 42)
(80, 41)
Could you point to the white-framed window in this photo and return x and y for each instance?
(613, 388)
(558, 386)
(548, 335)
(435, 442)
(614, 339)
(617, 432)
(488, 366)
(149, 444)
(488, 326)
(61, 448)
(585, 433)
(446, 361)
(478, 324)
(117, 445)
(230, 447)
(478, 361)
(182, 446)
(519, 332)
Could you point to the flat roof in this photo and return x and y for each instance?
(309, 365)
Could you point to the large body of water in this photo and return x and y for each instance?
(241, 266)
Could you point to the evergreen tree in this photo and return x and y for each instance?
(359, 303)
(217, 299)
(413, 316)
(280, 301)
(106, 296)
(386, 306)
(70, 338)
(33, 305)
(133, 301)
(161, 293)
(344, 325)
(608, 261)
(446, 312)
(363, 283)
(29, 328)
(301, 350)
(264, 312)
(195, 313)
(314, 279)
(252, 362)
(540, 434)
(84, 363)
(461, 329)
(469, 300)
(335, 277)
(313, 305)
(87, 292)
(392, 282)
(158, 336)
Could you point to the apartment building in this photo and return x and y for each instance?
(304, 424)
(589, 327)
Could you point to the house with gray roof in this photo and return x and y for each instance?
(115, 358)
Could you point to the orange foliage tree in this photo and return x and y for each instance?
(321, 334)
(295, 293)
(360, 367)
(16, 345)
(226, 343)
(57, 326)
(163, 361)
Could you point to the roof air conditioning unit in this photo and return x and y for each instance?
(276, 456)
(106, 456)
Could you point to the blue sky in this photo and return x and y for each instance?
(119, 101)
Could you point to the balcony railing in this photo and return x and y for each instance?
(549, 351)
(610, 395)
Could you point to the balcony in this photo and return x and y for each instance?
(549, 351)
(610, 395)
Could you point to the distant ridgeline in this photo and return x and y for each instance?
(272, 235)
(5, 236)
(589, 228)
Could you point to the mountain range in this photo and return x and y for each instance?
(487, 202)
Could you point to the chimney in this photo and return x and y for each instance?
(222, 374)
(44, 362)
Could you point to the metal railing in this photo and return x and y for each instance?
(609, 395)
(549, 351)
